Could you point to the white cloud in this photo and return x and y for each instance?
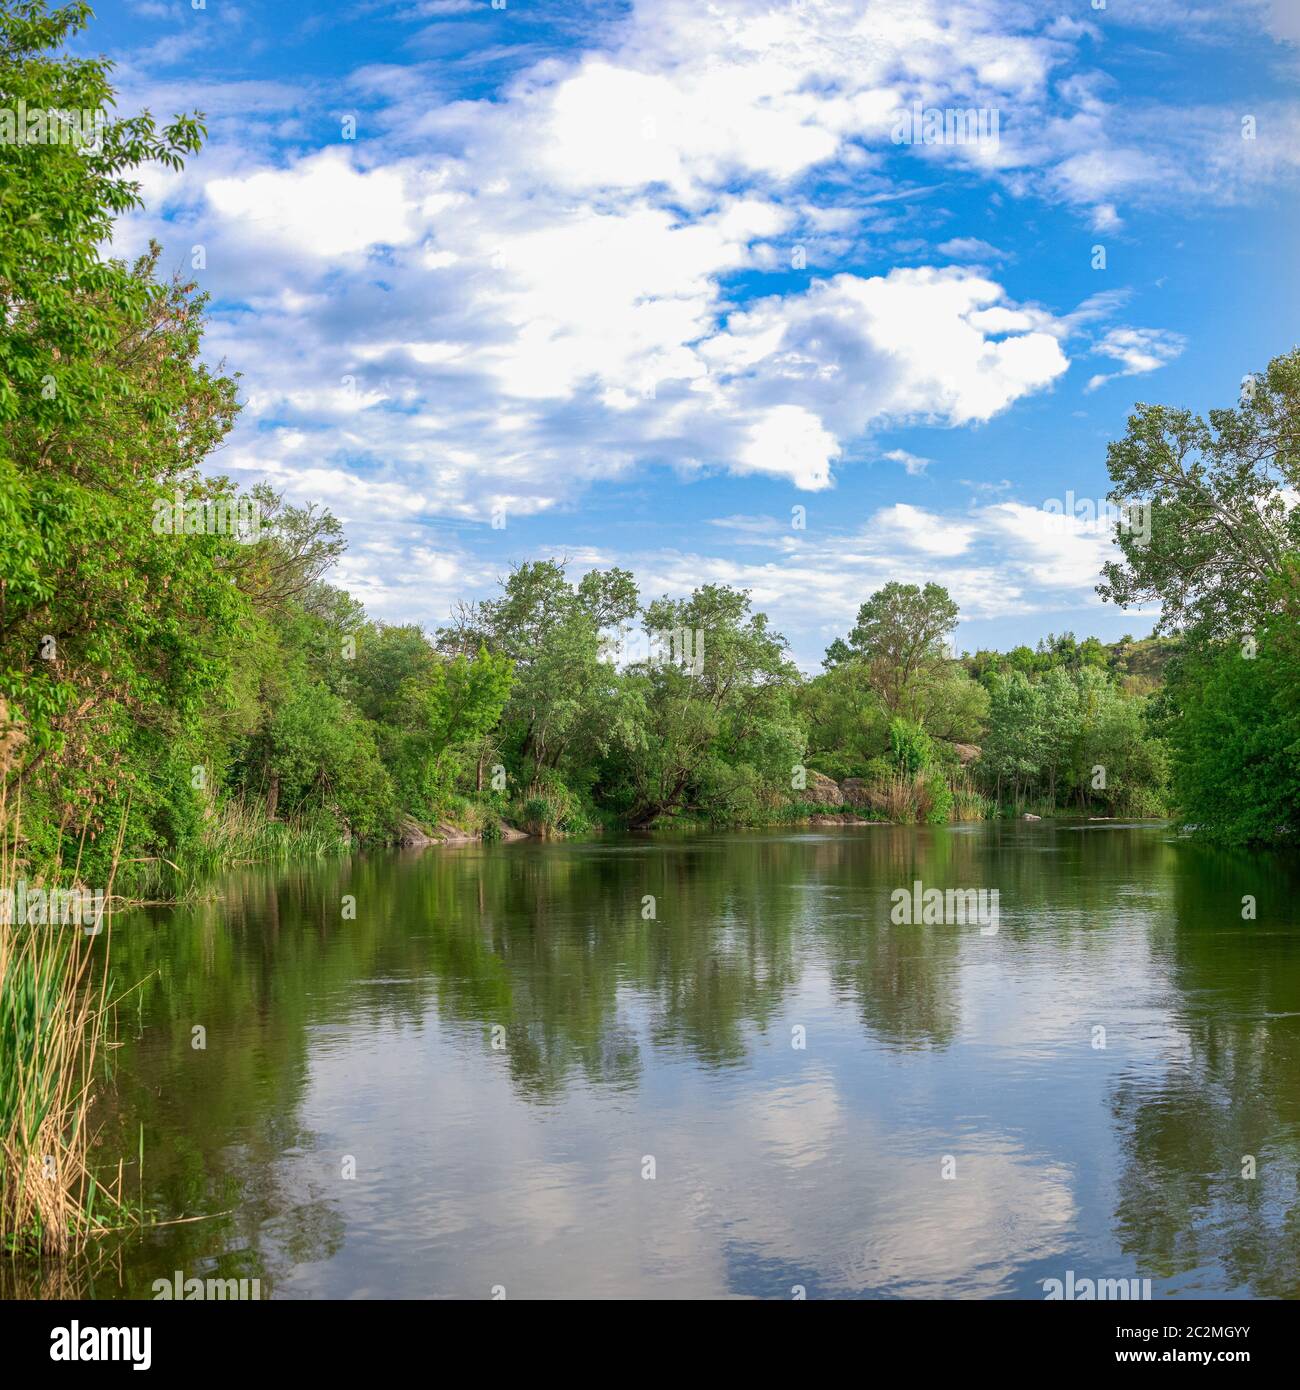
(907, 345)
(1139, 350)
(971, 248)
(916, 529)
(321, 206)
(1053, 550)
(789, 441)
(557, 260)
(615, 314)
(914, 464)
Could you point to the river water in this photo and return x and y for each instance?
(711, 1065)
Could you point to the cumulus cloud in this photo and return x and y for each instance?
(512, 297)
(321, 206)
(918, 343)
(606, 325)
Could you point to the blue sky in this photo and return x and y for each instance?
(636, 281)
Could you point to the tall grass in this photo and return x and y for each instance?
(968, 804)
(927, 798)
(53, 1008)
(1014, 807)
(237, 833)
(909, 800)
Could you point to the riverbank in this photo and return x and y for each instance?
(926, 799)
(237, 830)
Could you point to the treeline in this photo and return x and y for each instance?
(282, 720)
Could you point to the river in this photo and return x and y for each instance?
(710, 1064)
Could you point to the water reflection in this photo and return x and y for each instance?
(1227, 1100)
(461, 1085)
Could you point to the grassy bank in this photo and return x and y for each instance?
(237, 832)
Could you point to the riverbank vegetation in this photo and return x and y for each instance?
(54, 1010)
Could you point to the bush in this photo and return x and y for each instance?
(878, 771)
(1235, 744)
(554, 808)
(910, 747)
(1142, 801)
(731, 795)
(935, 801)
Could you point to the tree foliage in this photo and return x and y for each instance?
(1223, 561)
(1224, 529)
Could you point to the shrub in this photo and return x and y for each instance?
(934, 801)
(1234, 744)
(878, 771)
(909, 747)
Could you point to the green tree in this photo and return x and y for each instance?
(845, 721)
(1234, 732)
(1012, 751)
(112, 636)
(909, 747)
(1223, 560)
(318, 754)
(900, 639)
(441, 715)
(720, 735)
(65, 307)
(1060, 730)
(1223, 533)
(563, 711)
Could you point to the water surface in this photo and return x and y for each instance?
(463, 1087)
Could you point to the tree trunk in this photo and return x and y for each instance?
(273, 796)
